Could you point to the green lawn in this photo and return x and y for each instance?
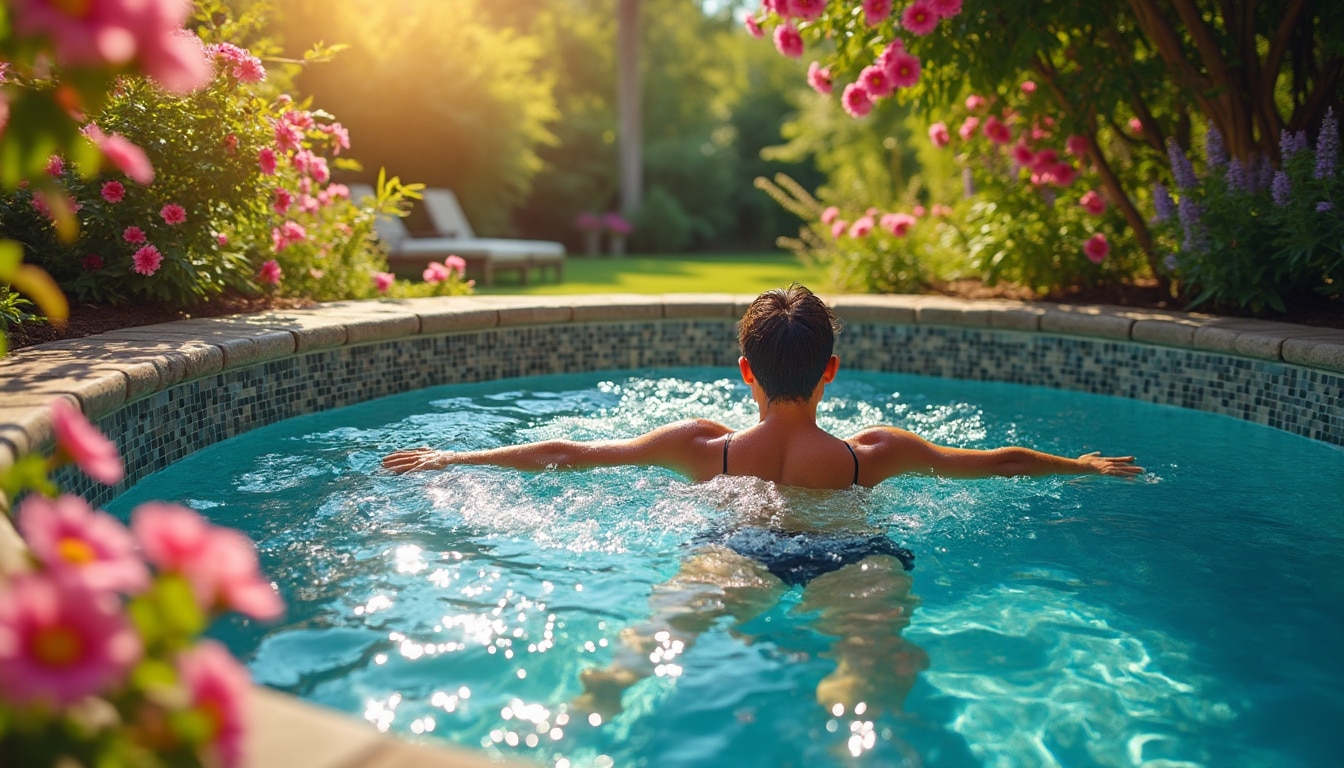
(680, 273)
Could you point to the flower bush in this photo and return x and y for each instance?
(1244, 235)
(101, 659)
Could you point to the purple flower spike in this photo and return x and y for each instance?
(1236, 175)
(1325, 206)
(1196, 237)
(1180, 166)
(1327, 146)
(1164, 206)
(1215, 154)
(1287, 145)
(1280, 189)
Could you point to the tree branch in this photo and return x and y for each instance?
(1168, 43)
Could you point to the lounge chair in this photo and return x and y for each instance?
(408, 256)
(450, 222)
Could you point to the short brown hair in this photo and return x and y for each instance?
(787, 335)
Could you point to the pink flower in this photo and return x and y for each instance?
(898, 224)
(79, 441)
(456, 264)
(939, 135)
(287, 234)
(819, 78)
(861, 227)
(221, 238)
(435, 273)
(968, 127)
(217, 686)
(807, 10)
(997, 131)
(945, 9)
(128, 158)
(942, 210)
(1076, 146)
(1028, 86)
(173, 214)
(903, 68)
(918, 211)
(614, 222)
(340, 137)
(839, 227)
(876, 11)
(1096, 248)
(754, 27)
(55, 165)
(133, 235)
(61, 641)
(1023, 156)
(92, 263)
(220, 563)
(974, 102)
(338, 191)
(876, 82)
(383, 281)
(283, 200)
(287, 135)
(1092, 202)
(920, 18)
(114, 192)
(829, 215)
(299, 118)
(1064, 173)
(67, 536)
(788, 41)
(266, 160)
(1136, 125)
(270, 272)
(1044, 160)
(855, 100)
(147, 260)
(588, 221)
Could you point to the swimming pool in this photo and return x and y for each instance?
(1187, 617)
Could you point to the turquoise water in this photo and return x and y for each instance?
(1191, 617)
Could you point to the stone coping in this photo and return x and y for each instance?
(105, 373)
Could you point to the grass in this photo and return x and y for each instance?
(679, 273)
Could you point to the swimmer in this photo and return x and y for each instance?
(853, 578)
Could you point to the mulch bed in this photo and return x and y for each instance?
(89, 319)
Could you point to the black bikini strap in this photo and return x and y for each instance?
(726, 442)
(854, 456)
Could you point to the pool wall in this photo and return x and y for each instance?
(162, 392)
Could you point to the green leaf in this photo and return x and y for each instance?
(11, 255)
(177, 606)
(152, 674)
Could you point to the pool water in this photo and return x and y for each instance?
(1190, 617)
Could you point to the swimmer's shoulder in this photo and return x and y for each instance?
(883, 451)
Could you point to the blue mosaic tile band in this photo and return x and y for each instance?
(169, 425)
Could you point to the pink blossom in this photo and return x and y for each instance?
(339, 190)
(1028, 86)
(1044, 160)
(819, 78)
(807, 10)
(319, 170)
(283, 200)
(61, 641)
(938, 134)
(1064, 173)
(839, 227)
(997, 131)
(217, 686)
(1076, 146)
(829, 215)
(383, 281)
(918, 211)
(968, 127)
(1092, 202)
(266, 160)
(55, 165)
(974, 102)
(221, 238)
(79, 441)
(788, 41)
(92, 263)
(861, 227)
(903, 68)
(855, 100)
(898, 224)
(219, 563)
(114, 191)
(1022, 155)
(435, 273)
(876, 11)
(1136, 125)
(942, 210)
(127, 157)
(920, 18)
(287, 234)
(456, 264)
(754, 27)
(876, 82)
(67, 536)
(270, 272)
(1096, 248)
(615, 222)
(287, 136)
(39, 203)
(147, 260)
(340, 137)
(309, 204)
(133, 235)
(173, 214)
(945, 9)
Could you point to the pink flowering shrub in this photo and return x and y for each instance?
(101, 661)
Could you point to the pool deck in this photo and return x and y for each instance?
(106, 373)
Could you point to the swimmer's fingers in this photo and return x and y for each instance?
(1116, 466)
(414, 460)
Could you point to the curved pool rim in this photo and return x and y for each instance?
(162, 392)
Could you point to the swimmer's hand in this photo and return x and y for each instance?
(416, 459)
(1120, 466)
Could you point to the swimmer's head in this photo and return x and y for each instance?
(787, 335)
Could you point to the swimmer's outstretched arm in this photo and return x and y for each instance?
(683, 447)
(888, 451)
